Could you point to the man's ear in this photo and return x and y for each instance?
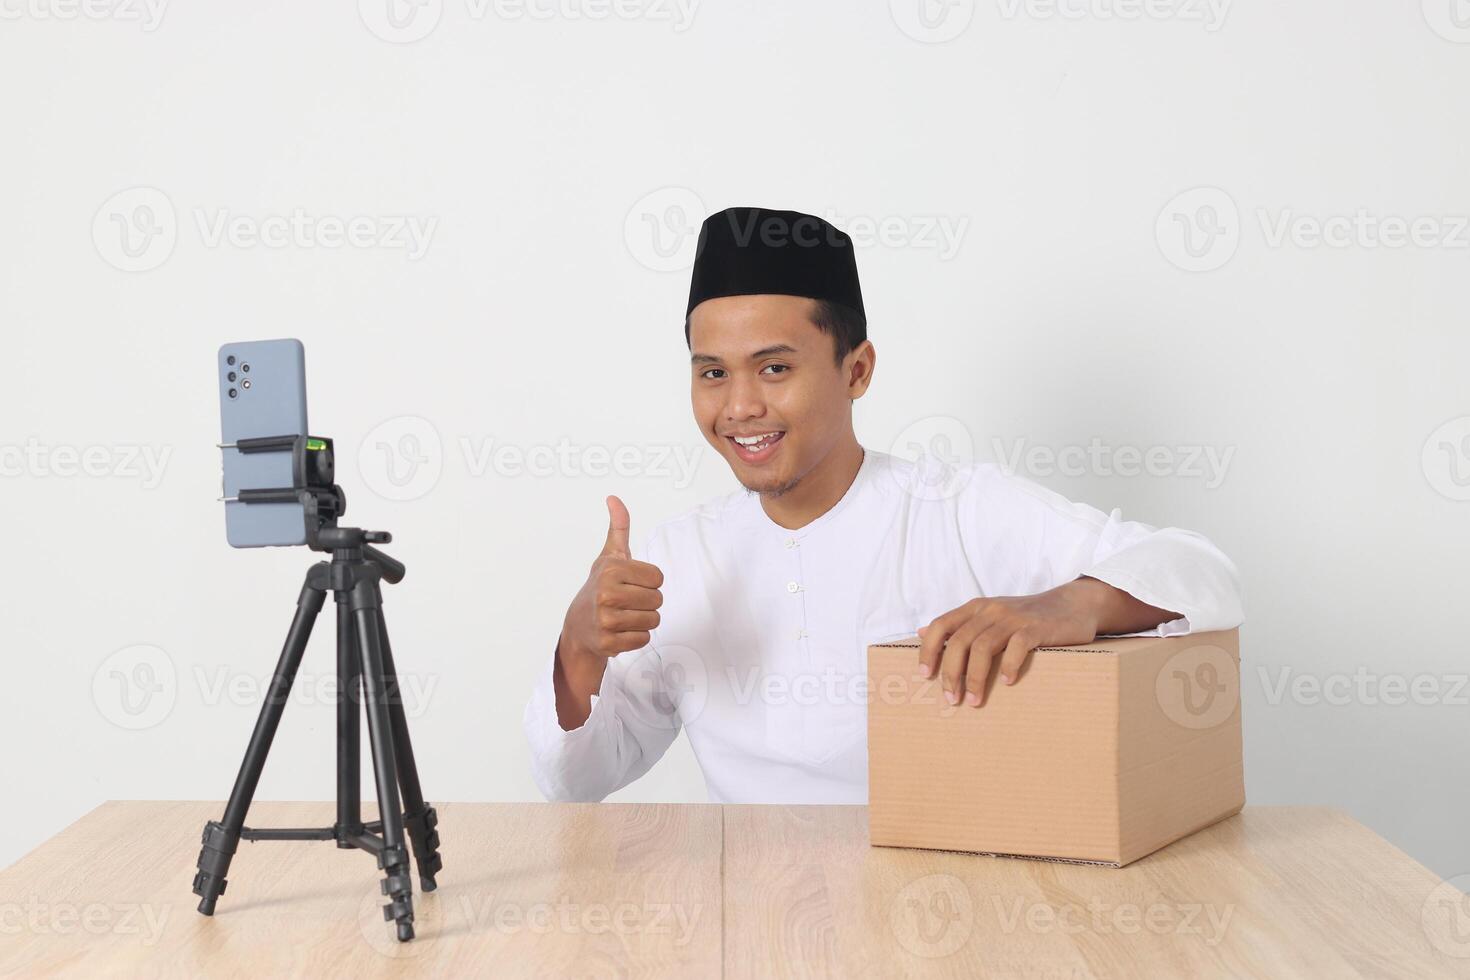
(858, 367)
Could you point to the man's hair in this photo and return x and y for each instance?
(846, 326)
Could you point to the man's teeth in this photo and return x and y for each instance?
(755, 440)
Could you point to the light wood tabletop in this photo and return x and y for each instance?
(689, 890)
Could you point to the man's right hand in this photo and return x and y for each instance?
(614, 612)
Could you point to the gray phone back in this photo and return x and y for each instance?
(268, 381)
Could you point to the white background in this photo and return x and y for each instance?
(542, 151)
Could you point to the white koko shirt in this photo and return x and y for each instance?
(760, 655)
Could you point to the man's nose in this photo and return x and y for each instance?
(745, 401)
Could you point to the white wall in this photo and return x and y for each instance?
(1051, 147)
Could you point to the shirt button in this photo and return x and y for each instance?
(791, 543)
(801, 634)
(793, 587)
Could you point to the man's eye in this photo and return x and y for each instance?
(713, 374)
(775, 368)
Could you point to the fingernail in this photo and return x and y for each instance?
(1007, 679)
(952, 697)
(972, 699)
(924, 671)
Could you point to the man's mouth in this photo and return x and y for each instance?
(757, 447)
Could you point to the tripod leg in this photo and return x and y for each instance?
(419, 818)
(349, 684)
(393, 859)
(221, 837)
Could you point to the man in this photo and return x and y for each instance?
(746, 621)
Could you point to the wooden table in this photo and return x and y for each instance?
(739, 891)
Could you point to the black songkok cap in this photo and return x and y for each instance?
(746, 251)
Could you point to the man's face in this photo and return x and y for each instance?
(766, 387)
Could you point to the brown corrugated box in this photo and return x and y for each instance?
(1101, 753)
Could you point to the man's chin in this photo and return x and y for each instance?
(771, 480)
(767, 485)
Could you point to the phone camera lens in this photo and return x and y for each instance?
(230, 359)
(233, 392)
(245, 368)
(230, 376)
(245, 383)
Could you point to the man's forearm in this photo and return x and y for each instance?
(1116, 610)
(576, 678)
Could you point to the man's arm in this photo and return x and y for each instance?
(594, 721)
(1066, 573)
(575, 685)
(615, 611)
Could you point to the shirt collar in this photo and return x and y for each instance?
(757, 518)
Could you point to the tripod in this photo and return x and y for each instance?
(364, 662)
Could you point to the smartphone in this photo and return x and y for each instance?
(262, 392)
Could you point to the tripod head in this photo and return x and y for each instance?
(344, 540)
(313, 470)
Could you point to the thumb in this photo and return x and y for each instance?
(617, 529)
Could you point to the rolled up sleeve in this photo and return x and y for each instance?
(613, 747)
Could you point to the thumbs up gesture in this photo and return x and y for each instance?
(617, 607)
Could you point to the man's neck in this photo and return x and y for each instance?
(820, 490)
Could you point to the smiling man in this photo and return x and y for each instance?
(745, 623)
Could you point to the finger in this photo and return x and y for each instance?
(982, 654)
(630, 597)
(1017, 650)
(617, 643)
(952, 662)
(617, 529)
(932, 637)
(979, 615)
(627, 620)
(630, 571)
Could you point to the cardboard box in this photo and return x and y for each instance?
(1100, 753)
